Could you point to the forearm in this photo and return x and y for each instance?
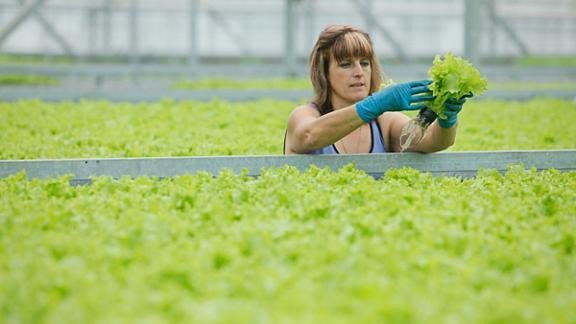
(436, 139)
(326, 129)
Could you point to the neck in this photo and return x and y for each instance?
(339, 103)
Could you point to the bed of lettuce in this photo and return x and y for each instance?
(319, 246)
(33, 129)
(290, 247)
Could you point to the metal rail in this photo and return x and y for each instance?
(263, 70)
(148, 94)
(460, 164)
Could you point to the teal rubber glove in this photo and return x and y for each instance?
(398, 97)
(452, 107)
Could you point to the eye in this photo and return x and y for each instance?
(365, 62)
(344, 64)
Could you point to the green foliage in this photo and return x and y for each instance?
(216, 83)
(304, 83)
(26, 79)
(511, 125)
(34, 59)
(560, 61)
(33, 129)
(318, 246)
(534, 85)
(453, 77)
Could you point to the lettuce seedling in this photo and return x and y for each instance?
(452, 77)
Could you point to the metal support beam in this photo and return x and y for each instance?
(373, 22)
(194, 22)
(290, 37)
(472, 30)
(51, 31)
(106, 25)
(461, 164)
(310, 15)
(146, 93)
(508, 30)
(234, 35)
(369, 5)
(92, 23)
(19, 19)
(492, 36)
(134, 32)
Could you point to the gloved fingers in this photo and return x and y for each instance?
(450, 114)
(452, 108)
(419, 83)
(415, 107)
(419, 89)
(421, 98)
(454, 101)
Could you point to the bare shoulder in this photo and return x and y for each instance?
(303, 111)
(307, 109)
(300, 116)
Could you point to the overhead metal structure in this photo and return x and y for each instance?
(233, 34)
(134, 33)
(505, 26)
(194, 54)
(52, 32)
(472, 30)
(474, 24)
(290, 36)
(26, 11)
(364, 7)
(116, 29)
(32, 9)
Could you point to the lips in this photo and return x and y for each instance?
(358, 84)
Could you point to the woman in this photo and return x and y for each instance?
(349, 114)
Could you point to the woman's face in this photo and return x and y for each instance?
(349, 80)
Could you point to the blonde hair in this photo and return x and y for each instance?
(340, 42)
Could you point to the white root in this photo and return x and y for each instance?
(412, 134)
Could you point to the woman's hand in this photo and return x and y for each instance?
(398, 97)
(452, 107)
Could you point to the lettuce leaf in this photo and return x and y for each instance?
(453, 77)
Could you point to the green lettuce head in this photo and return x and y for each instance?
(453, 77)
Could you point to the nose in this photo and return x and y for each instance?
(357, 69)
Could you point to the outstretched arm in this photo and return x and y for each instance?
(439, 136)
(307, 130)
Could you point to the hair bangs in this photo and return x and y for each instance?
(352, 45)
